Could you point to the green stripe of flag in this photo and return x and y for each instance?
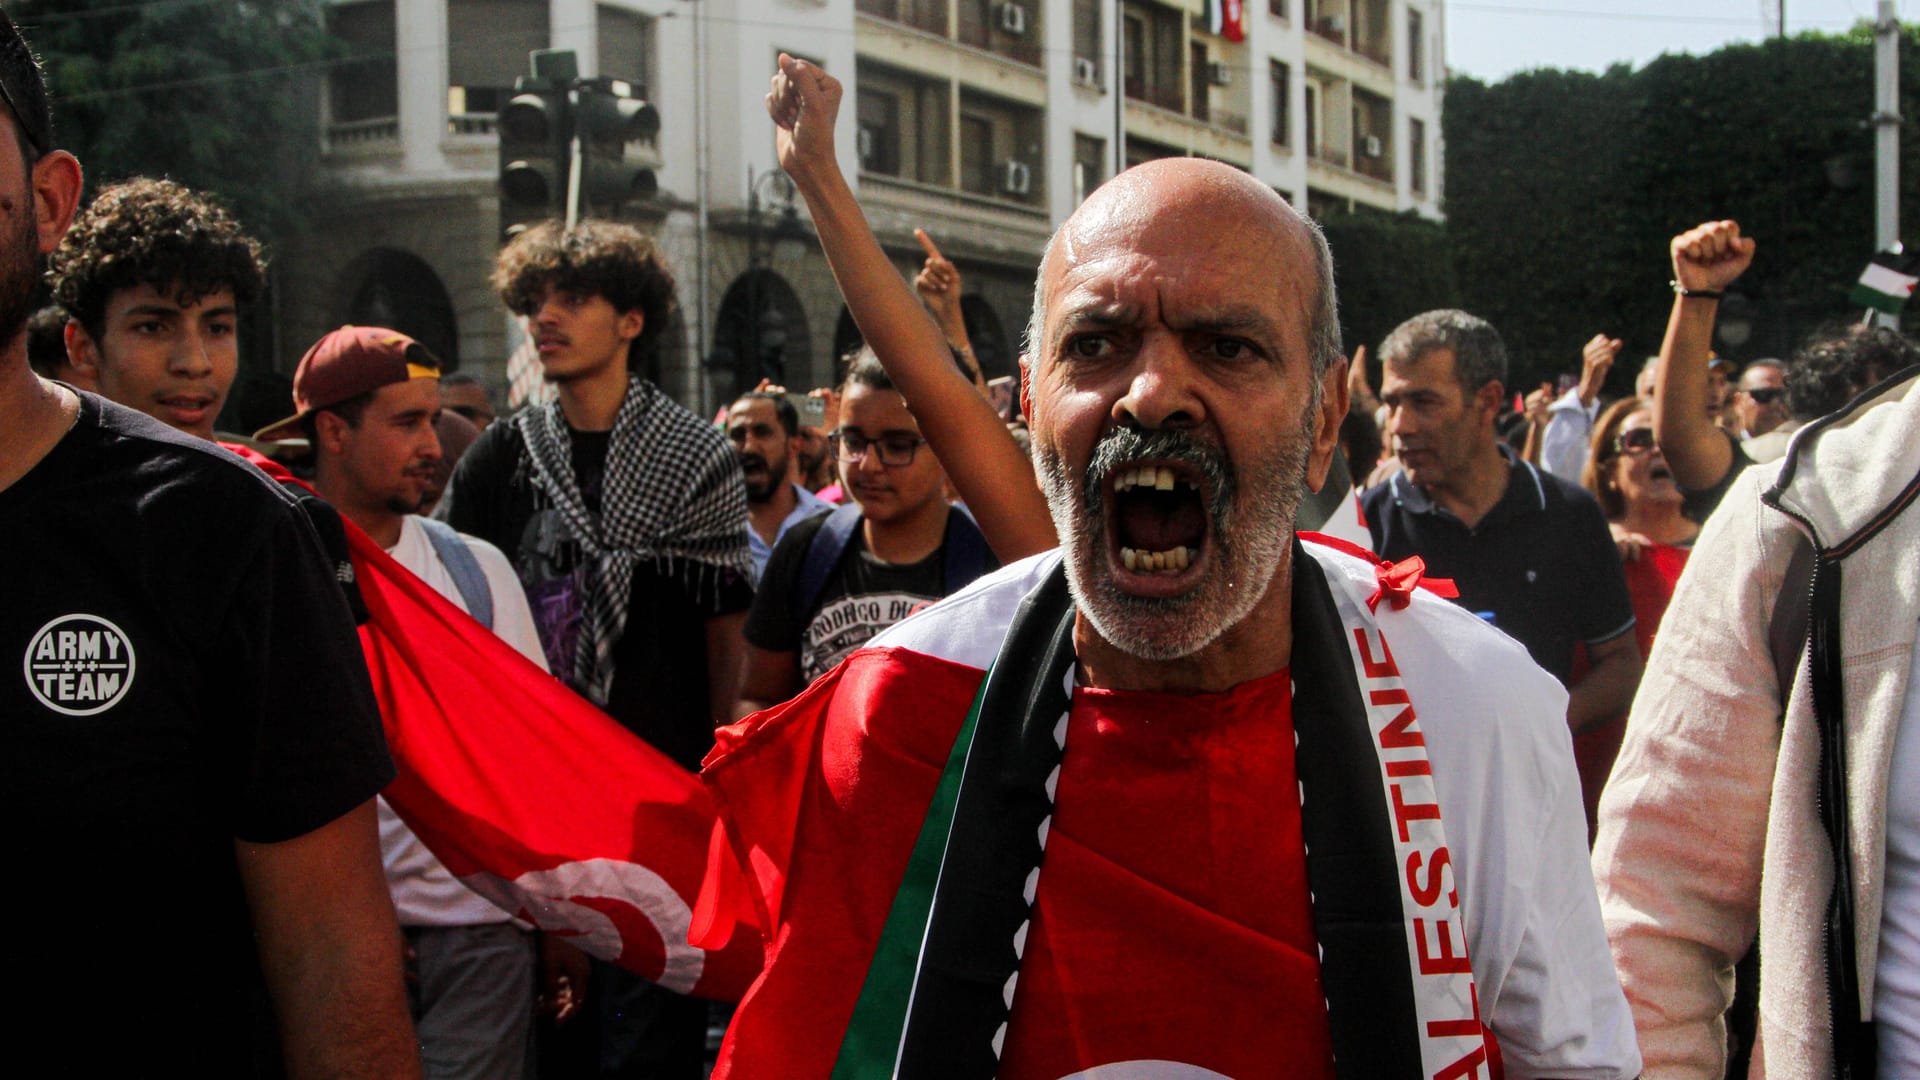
(1882, 287)
(872, 1042)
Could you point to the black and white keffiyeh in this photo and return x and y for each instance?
(673, 494)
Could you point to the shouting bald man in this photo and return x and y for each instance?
(1186, 797)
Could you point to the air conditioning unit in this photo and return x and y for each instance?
(1015, 178)
(1086, 72)
(1218, 73)
(1011, 19)
(863, 144)
(1372, 147)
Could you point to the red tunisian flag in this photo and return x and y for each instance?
(530, 795)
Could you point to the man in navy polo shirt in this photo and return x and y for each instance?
(1528, 550)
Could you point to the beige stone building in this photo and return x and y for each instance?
(982, 121)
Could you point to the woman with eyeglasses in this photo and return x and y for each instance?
(1629, 476)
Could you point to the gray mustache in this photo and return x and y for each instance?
(1123, 446)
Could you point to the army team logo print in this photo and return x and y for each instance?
(80, 665)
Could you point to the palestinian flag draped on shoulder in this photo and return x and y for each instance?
(885, 832)
(530, 795)
(1887, 283)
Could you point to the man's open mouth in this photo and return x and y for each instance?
(1159, 518)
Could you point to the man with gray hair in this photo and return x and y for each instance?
(1528, 551)
(1157, 803)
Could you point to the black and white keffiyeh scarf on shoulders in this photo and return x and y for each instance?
(673, 495)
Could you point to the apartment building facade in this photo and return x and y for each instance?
(984, 122)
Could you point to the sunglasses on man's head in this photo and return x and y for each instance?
(1765, 395)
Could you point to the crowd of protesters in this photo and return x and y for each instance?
(1675, 627)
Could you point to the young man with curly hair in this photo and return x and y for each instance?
(151, 276)
(626, 516)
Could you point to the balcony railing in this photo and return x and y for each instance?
(471, 123)
(1229, 121)
(359, 134)
(1330, 156)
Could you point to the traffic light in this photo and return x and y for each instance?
(619, 145)
(536, 142)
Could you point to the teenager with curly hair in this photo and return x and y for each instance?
(152, 276)
(626, 517)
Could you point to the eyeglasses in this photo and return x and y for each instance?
(896, 450)
(1634, 441)
(1765, 395)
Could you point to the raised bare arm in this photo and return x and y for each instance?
(986, 466)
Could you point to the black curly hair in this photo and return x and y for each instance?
(594, 258)
(152, 232)
(1839, 361)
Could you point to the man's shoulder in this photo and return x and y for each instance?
(1465, 667)
(164, 468)
(490, 557)
(1560, 495)
(500, 443)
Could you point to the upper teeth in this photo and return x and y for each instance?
(1158, 477)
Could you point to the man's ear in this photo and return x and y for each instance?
(1326, 423)
(1489, 398)
(330, 430)
(82, 352)
(56, 196)
(630, 323)
(1026, 388)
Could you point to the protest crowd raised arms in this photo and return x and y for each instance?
(1277, 659)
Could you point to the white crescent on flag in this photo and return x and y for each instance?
(1146, 1070)
(594, 903)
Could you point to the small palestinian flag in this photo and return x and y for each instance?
(1887, 283)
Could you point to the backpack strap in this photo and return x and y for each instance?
(823, 554)
(967, 554)
(465, 570)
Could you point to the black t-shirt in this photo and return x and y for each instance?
(861, 597)
(1541, 561)
(660, 688)
(1699, 505)
(185, 673)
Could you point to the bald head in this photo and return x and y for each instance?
(1196, 199)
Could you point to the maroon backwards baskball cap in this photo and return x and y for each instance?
(351, 361)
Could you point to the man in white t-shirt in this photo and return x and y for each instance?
(367, 398)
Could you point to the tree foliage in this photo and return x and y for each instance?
(220, 95)
(1563, 189)
(1387, 268)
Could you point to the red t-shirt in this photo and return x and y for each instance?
(1173, 920)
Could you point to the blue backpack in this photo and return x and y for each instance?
(463, 568)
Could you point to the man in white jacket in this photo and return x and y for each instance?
(1775, 712)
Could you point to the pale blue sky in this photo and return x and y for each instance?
(1491, 39)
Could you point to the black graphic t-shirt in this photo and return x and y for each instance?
(660, 687)
(183, 673)
(861, 597)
